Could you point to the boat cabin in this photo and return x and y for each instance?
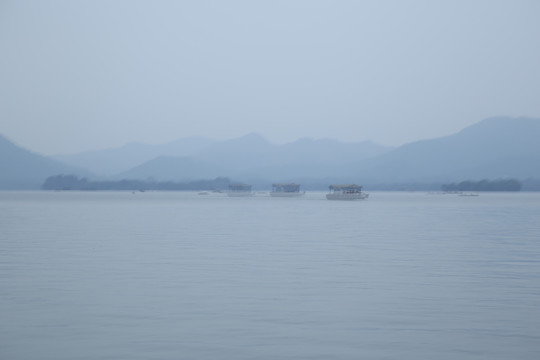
(239, 190)
(286, 190)
(286, 187)
(345, 189)
(346, 192)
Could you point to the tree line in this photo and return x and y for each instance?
(484, 185)
(72, 182)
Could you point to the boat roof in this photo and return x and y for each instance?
(285, 184)
(344, 186)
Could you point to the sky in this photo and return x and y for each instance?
(86, 75)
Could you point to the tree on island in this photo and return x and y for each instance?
(72, 182)
(64, 182)
(484, 185)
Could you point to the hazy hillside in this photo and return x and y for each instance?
(240, 153)
(173, 168)
(21, 169)
(253, 157)
(329, 151)
(254, 151)
(117, 160)
(493, 148)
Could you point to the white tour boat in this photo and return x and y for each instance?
(286, 190)
(239, 190)
(346, 192)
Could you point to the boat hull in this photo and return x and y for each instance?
(286, 194)
(239, 194)
(346, 197)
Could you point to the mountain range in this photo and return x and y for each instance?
(21, 169)
(493, 148)
(500, 147)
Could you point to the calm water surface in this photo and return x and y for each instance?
(173, 275)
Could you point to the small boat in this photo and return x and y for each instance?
(203, 193)
(286, 190)
(239, 190)
(346, 192)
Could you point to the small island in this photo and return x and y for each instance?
(72, 182)
(483, 185)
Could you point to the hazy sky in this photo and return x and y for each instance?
(80, 75)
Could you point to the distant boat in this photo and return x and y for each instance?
(239, 190)
(346, 192)
(286, 190)
(203, 193)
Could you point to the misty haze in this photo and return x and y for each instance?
(269, 180)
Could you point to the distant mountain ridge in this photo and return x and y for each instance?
(494, 148)
(499, 147)
(163, 168)
(117, 160)
(21, 169)
(253, 157)
(248, 155)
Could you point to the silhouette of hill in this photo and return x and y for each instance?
(21, 169)
(253, 157)
(113, 161)
(495, 148)
(172, 168)
(498, 147)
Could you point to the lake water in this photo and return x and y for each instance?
(174, 275)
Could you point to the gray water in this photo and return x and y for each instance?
(173, 275)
